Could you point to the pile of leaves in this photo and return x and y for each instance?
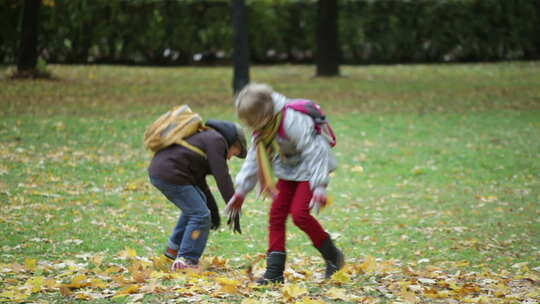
(371, 280)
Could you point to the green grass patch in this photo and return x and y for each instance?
(439, 166)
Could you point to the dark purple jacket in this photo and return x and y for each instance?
(179, 165)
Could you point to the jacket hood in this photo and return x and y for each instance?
(231, 132)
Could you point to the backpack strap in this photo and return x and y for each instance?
(298, 105)
(313, 110)
(281, 130)
(193, 148)
(185, 144)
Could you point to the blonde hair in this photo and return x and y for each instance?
(254, 104)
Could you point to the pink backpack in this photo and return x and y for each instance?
(322, 126)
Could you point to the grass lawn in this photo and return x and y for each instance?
(436, 200)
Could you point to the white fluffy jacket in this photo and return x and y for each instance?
(304, 154)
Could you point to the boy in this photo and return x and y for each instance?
(180, 174)
(285, 140)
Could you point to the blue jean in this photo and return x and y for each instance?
(190, 234)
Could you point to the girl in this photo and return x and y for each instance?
(286, 141)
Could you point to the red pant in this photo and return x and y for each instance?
(293, 198)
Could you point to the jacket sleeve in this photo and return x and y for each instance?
(316, 154)
(216, 152)
(211, 204)
(246, 179)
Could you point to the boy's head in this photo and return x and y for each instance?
(254, 105)
(233, 134)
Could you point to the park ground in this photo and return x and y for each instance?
(436, 200)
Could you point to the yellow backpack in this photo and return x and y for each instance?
(172, 127)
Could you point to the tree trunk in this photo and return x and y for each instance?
(240, 45)
(328, 53)
(536, 53)
(28, 53)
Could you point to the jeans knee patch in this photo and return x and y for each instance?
(195, 234)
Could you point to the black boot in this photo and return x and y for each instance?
(334, 258)
(275, 265)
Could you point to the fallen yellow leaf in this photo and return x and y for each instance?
(408, 296)
(228, 285)
(369, 265)
(13, 295)
(141, 276)
(341, 277)
(219, 262)
(64, 290)
(291, 291)
(78, 281)
(51, 283)
(162, 263)
(35, 284)
(357, 169)
(97, 259)
(127, 253)
(98, 283)
(308, 300)
(83, 296)
(30, 264)
(113, 269)
(337, 294)
(131, 289)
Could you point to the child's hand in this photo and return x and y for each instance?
(234, 223)
(234, 205)
(318, 200)
(233, 210)
(216, 220)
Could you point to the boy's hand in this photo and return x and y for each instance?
(318, 200)
(216, 220)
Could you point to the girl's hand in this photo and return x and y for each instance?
(318, 200)
(233, 210)
(234, 205)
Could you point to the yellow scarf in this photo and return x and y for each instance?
(266, 146)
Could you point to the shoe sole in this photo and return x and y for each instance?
(264, 281)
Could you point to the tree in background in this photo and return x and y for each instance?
(200, 32)
(327, 46)
(240, 45)
(28, 51)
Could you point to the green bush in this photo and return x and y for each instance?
(371, 31)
